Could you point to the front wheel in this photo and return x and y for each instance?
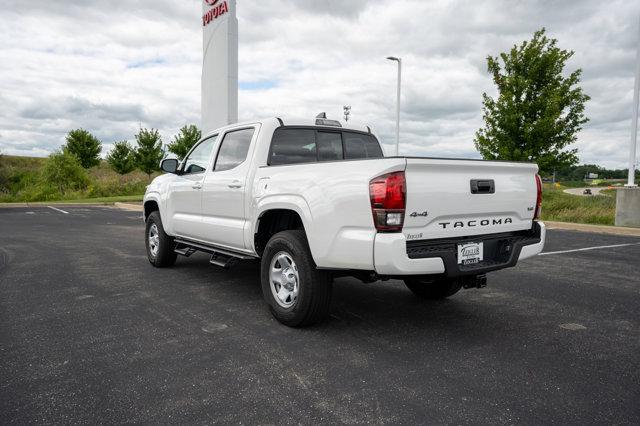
(297, 292)
(433, 289)
(159, 244)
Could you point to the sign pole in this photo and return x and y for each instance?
(219, 64)
(634, 119)
(628, 198)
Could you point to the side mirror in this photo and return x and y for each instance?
(170, 165)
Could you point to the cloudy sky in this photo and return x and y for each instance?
(112, 66)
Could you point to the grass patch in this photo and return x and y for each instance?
(98, 200)
(560, 206)
(609, 192)
(583, 184)
(574, 184)
(22, 180)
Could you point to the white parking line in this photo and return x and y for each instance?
(58, 210)
(588, 248)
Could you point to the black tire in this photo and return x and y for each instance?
(164, 256)
(434, 289)
(314, 286)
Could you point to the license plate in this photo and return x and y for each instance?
(470, 253)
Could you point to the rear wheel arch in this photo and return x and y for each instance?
(273, 221)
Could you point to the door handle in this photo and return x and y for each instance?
(197, 186)
(483, 186)
(235, 184)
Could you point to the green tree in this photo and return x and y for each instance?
(185, 140)
(84, 146)
(122, 158)
(149, 151)
(538, 111)
(64, 171)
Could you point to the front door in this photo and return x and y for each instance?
(185, 191)
(223, 192)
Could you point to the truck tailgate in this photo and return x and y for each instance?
(441, 202)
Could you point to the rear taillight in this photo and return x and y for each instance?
(388, 201)
(536, 215)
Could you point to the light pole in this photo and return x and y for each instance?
(634, 120)
(399, 61)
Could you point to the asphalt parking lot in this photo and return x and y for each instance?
(91, 333)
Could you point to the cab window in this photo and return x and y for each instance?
(234, 149)
(198, 159)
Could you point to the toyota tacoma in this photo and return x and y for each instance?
(313, 200)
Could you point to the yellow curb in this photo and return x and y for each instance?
(130, 207)
(9, 205)
(601, 229)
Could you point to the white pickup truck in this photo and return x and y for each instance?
(314, 200)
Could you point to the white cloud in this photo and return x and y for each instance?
(112, 66)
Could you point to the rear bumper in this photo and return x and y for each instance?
(393, 255)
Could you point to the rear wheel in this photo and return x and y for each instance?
(433, 289)
(298, 293)
(159, 244)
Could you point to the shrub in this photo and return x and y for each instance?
(64, 172)
(18, 174)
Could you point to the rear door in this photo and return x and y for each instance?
(224, 188)
(453, 198)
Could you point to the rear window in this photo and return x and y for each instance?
(357, 145)
(306, 145)
(329, 146)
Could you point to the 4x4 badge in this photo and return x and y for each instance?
(416, 214)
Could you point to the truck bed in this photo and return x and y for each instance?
(334, 204)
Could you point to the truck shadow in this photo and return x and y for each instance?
(385, 306)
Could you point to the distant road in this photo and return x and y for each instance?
(579, 191)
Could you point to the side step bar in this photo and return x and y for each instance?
(184, 250)
(219, 256)
(222, 260)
